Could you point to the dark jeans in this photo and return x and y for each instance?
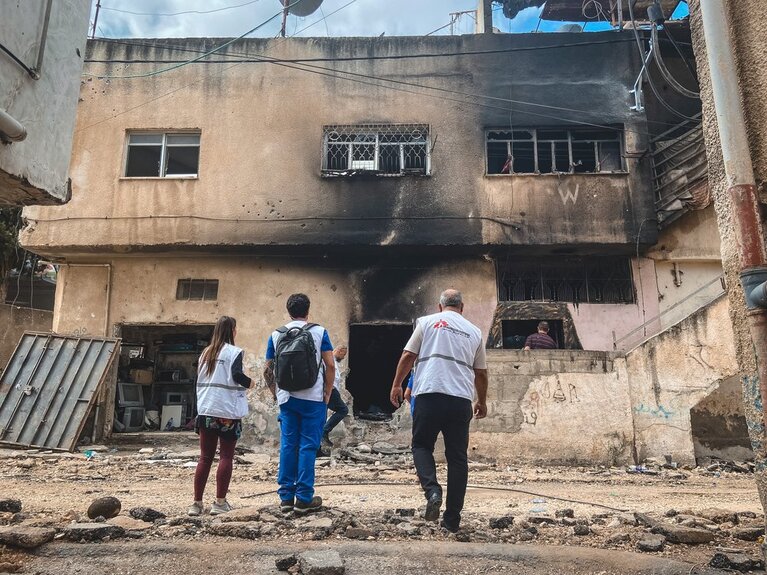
(435, 413)
(339, 409)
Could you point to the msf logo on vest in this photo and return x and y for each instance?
(440, 323)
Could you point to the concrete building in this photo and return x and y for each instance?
(371, 174)
(40, 64)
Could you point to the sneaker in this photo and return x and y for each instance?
(218, 509)
(286, 505)
(433, 504)
(195, 509)
(302, 508)
(451, 528)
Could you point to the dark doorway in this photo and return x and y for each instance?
(374, 350)
(515, 331)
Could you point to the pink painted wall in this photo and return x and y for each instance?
(595, 323)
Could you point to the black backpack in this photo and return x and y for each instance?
(295, 360)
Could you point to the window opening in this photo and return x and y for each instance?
(574, 280)
(159, 155)
(515, 331)
(554, 150)
(197, 289)
(381, 149)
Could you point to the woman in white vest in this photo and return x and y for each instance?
(221, 405)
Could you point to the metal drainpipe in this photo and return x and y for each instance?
(11, 129)
(740, 178)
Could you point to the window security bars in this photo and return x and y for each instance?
(554, 150)
(197, 289)
(573, 280)
(162, 155)
(379, 149)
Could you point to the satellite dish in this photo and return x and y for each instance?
(302, 7)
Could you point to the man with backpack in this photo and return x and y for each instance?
(294, 355)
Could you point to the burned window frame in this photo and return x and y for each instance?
(365, 145)
(197, 289)
(164, 142)
(556, 137)
(578, 280)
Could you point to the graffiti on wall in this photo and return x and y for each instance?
(534, 402)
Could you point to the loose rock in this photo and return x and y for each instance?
(326, 562)
(747, 533)
(240, 529)
(737, 561)
(686, 535)
(106, 507)
(502, 522)
(616, 538)
(581, 530)
(286, 563)
(564, 513)
(651, 543)
(358, 533)
(92, 531)
(243, 514)
(10, 506)
(718, 515)
(146, 514)
(26, 537)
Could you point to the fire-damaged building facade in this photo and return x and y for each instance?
(371, 174)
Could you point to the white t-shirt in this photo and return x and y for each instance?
(449, 348)
(317, 391)
(339, 375)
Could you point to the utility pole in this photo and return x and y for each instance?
(484, 17)
(96, 19)
(285, 4)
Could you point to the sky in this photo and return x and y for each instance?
(160, 18)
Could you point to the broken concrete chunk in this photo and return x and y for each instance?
(541, 519)
(318, 523)
(285, 563)
(129, 523)
(616, 538)
(325, 562)
(26, 537)
(146, 514)
(735, 561)
(358, 533)
(106, 507)
(581, 530)
(243, 514)
(502, 522)
(718, 515)
(10, 506)
(651, 543)
(686, 535)
(92, 531)
(564, 513)
(747, 533)
(240, 529)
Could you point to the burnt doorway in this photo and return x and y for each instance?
(374, 350)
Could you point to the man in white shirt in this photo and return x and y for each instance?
(448, 353)
(336, 403)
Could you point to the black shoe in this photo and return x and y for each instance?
(433, 504)
(451, 528)
(286, 505)
(301, 508)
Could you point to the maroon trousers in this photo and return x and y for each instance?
(209, 439)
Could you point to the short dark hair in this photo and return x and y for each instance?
(544, 326)
(298, 305)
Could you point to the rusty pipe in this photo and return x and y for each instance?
(741, 183)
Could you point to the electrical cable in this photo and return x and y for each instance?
(179, 13)
(469, 486)
(171, 92)
(302, 66)
(682, 55)
(206, 54)
(18, 61)
(664, 71)
(647, 74)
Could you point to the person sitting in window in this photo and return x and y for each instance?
(541, 339)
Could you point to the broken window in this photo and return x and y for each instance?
(197, 289)
(575, 280)
(554, 151)
(160, 155)
(381, 149)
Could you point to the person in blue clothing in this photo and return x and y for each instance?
(409, 394)
(302, 414)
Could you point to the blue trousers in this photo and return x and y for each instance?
(301, 424)
(339, 409)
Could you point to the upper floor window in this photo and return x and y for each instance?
(380, 149)
(581, 150)
(162, 155)
(197, 289)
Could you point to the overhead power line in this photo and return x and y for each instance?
(222, 9)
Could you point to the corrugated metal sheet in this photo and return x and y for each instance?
(49, 386)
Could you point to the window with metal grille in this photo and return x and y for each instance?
(574, 280)
(162, 155)
(381, 149)
(555, 150)
(197, 289)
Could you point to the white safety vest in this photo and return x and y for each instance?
(445, 361)
(218, 395)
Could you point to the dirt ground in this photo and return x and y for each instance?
(57, 488)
